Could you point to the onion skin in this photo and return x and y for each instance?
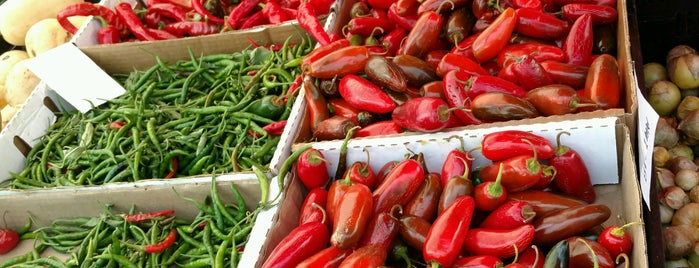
(684, 71)
(652, 72)
(678, 51)
(679, 163)
(660, 156)
(664, 96)
(674, 197)
(690, 125)
(688, 104)
(686, 179)
(679, 241)
(666, 213)
(665, 134)
(694, 194)
(687, 215)
(665, 178)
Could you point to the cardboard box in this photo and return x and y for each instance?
(152, 195)
(604, 143)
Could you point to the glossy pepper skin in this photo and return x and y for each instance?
(417, 72)
(490, 194)
(427, 27)
(381, 230)
(543, 202)
(498, 106)
(499, 243)
(617, 240)
(581, 255)
(455, 93)
(424, 114)
(313, 207)
(559, 99)
(448, 232)
(312, 169)
(366, 256)
(351, 216)
(509, 215)
(385, 73)
(572, 176)
(399, 186)
(480, 261)
(577, 46)
(365, 95)
(495, 36)
(519, 173)
(386, 127)
(301, 243)
(563, 223)
(413, 230)
(327, 258)
(537, 23)
(501, 145)
(425, 202)
(603, 83)
(315, 101)
(341, 62)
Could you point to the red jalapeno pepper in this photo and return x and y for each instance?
(407, 21)
(433, 89)
(313, 207)
(519, 173)
(385, 73)
(455, 187)
(406, 7)
(477, 85)
(499, 106)
(341, 107)
(577, 46)
(448, 232)
(531, 257)
(601, 14)
(529, 73)
(341, 62)
(504, 144)
(108, 35)
(391, 41)
(423, 114)
(381, 230)
(495, 36)
(351, 216)
(564, 73)
(457, 96)
(572, 176)
(427, 27)
(425, 202)
(434, 5)
(307, 16)
(417, 71)
(586, 252)
(399, 186)
(539, 24)
(539, 51)
(567, 222)
(533, 4)
(458, 162)
(361, 172)
(509, 215)
(481, 261)
(557, 99)
(366, 256)
(327, 258)
(386, 127)
(365, 95)
(617, 240)
(255, 19)
(451, 61)
(490, 194)
(139, 217)
(369, 26)
(302, 242)
(459, 24)
(464, 48)
(543, 202)
(603, 84)
(333, 128)
(413, 230)
(321, 51)
(499, 243)
(315, 101)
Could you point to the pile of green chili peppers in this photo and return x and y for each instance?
(200, 116)
(215, 238)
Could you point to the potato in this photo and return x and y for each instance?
(9, 59)
(19, 84)
(7, 113)
(44, 35)
(17, 16)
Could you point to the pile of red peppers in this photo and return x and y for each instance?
(435, 64)
(170, 19)
(532, 206)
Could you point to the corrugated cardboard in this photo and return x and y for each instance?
(607, 141)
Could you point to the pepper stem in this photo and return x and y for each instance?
(592, 251)
(322, 210)
(619, 231)
(623, 256)
(533, 164)
(561, 149)
(364, 168)
(495, 189)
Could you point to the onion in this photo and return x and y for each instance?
(665, 134)
(665, 178)
(687, 215)
(653, 72)
(684, 71)
(664, 96)
(660, 156)
(677, 51)
(690, 124)
(681, 150)
(679, 163)
(679, 241)
(686, 179)
(694, 194)
(674, 197)
(688, 104)
(666, 213)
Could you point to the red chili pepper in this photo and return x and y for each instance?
(520, 172)
(322, 6)
(558, 99)
(391, 41)
(275, 128)
(169, 10)
(539, 51)
(361, 172)
(458, 162)
(240, 11)
(407, 21)
(477, 85)
(490, 194)
(413, 230)
(341, 107)
(77, 9)
(329, 257)
(586, 252)
(548, 173)
(386, 127)
(313, 207)
(341, 62)
(533, 4)
(448, 232)
(434, 5)
(501, 145)
(8, 240)
(117, 124)
(457, 96)
(481, 261)
(425, 202)
(307, 16)
(108, 35)
(617, 240)
(600, 14)
(451, 61)
(191, 28)
(567, 222)
(603, 84)
(316, 103)
(162, 245)
(139, 217)
(428, 27)
(499, 106)
(161, 34)
(369, 26)
(381, 230)
(531, 257)
(537, 23)
(365, 95)
(544, 202)
(464, 48)
(509, 215)
(301, 243)
(366, 256)
(572, 176)
(578, 45)
(291, 91)
(498, 243)
(333, 128)
(434, 89)
(424, 114)
(399, 186)
(274, 13)
(564, 73)
(186, 4)
(133, 22)
(255, 19)
(529, 73)
(495, 37)
(323, 51)
(351, 216)
(311, 168)
(455, 187)
(173, 170)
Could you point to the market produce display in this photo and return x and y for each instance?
(512, 211)
(208, 115)
(214, 238)
(672, 93)
(485, 62)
